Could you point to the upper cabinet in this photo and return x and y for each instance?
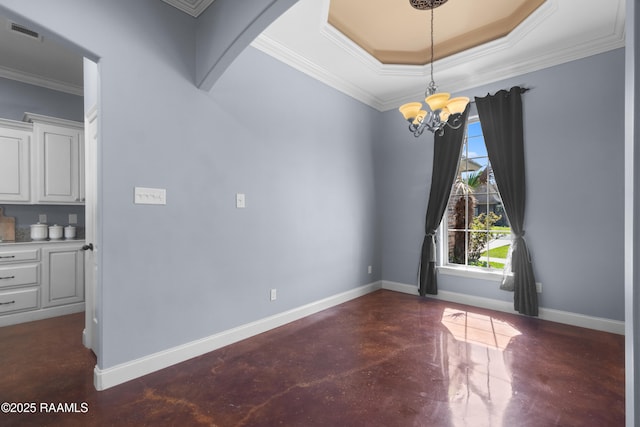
(15, 161)
(41, 161)
(58, 160)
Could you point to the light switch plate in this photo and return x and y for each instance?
(240, 200)
(150, 196)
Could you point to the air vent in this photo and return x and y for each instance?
(25, 31)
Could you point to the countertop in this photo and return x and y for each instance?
(5, 243)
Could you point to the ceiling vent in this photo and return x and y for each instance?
(16, 28)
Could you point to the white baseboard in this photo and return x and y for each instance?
(109, 377)
(41, 314)
(566, 317)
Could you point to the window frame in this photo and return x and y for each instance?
(461, 270)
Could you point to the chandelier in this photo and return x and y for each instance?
(441, 106)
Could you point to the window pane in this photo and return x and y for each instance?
(475, 141)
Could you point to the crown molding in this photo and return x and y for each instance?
(302, 64)
(33, 79)
(191, 7)
(488, 63)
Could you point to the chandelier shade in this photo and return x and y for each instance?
(410, 110)
(437, 101)
(457, 105)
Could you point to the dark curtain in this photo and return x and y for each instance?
(446, 154)
(501, 120)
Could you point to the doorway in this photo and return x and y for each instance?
(44, 74)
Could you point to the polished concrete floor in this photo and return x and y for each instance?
(385, 359)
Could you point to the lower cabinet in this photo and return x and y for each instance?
(40, 280)
(62, 276)
(18, 299)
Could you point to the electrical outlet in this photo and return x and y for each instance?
(369, 269)
(539, 287)
(73, 219)
(273, 295)
(42, 218)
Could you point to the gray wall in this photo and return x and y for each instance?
(316, 167)
(574, 159)
(18, 98)
(224, 30)
(301, 153)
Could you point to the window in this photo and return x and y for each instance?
(477, 229)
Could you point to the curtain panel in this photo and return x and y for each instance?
(502, 126)
(446, 155)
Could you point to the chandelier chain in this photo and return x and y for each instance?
(432, 81)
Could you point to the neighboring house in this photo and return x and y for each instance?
(488, 200)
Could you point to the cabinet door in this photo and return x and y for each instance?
(62, 275)
(14, 165)
(58, 163)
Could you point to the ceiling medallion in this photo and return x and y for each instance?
(426, 4)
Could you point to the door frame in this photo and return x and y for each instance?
(91, 332)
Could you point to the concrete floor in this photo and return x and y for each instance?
(385, 359)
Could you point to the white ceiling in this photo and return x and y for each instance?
(39, 61)
(559, 31)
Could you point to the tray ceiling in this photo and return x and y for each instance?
(394, 32)
(557, 31)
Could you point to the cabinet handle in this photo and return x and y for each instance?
(9, 256)
(7, 303)
(7, 278)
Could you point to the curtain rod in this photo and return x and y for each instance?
(522, 90)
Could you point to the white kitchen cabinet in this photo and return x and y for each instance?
(19, 280)
(40, 280)
(15, 184)
(58, 160)
(62, 275)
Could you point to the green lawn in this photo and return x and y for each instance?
(492, 264)
(499, 252)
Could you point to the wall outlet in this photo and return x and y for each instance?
(73, 219)
(369, 269)
(42, 218)
(273, 295)
(539, 287)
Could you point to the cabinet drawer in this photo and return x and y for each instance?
(19, 299)
(19, 255)
(18, 275)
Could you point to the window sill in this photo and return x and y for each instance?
(470, 272)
